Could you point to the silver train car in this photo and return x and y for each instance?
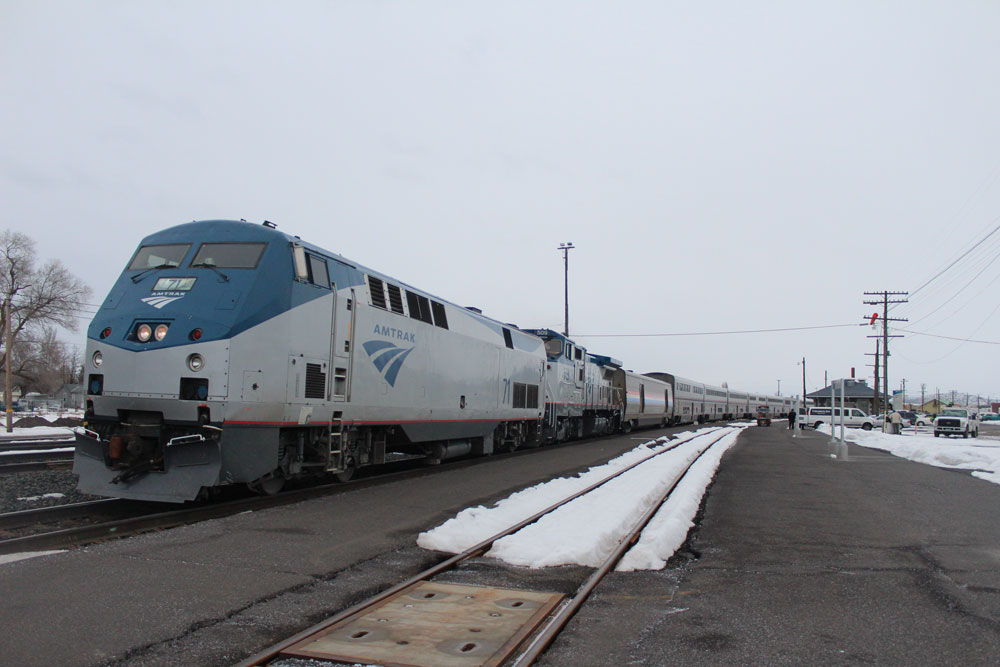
(231, 353)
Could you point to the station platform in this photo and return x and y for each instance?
(806, 559)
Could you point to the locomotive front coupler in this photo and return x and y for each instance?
(135, 470)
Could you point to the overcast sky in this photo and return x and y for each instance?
(720, 166)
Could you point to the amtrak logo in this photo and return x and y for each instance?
(160, 301)
(387, 357)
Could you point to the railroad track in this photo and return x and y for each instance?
(22, 442)
(60, 458)
(45, 528)
(418, 621)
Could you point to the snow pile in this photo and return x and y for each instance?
(668, 529)
(979, 455)
(585, 531)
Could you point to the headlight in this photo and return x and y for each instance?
(195, 362)
(144, 333)
(161, 331)
(98, 359)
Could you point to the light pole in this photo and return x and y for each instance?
(779, 387)
(566, 247)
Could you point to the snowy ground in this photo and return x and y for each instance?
(586, 531)
(48, 431)
(979, 455)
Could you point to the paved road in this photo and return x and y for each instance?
(803, 559)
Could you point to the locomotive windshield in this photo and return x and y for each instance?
(553, 347)
(229, 255)
(159, 256)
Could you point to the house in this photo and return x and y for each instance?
(932, 407)
(857, 394)
(70, 396)
(15, 393)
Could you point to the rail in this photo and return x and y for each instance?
(551, 627)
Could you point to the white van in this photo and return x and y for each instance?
(853, 418)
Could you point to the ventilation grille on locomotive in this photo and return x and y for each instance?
(315, 381)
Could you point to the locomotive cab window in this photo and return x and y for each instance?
(553, 348)
(229, 255)
(318, 273)
(508, 341)
(159, 256)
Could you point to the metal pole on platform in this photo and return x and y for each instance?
(833, 408)
(841, 412)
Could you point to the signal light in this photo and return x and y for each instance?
(144, 333)
(161, 332)
(195, 334)
(106, 332)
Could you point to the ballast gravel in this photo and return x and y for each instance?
(43, 488)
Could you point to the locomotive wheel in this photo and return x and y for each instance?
(348, 472)
(268, 485)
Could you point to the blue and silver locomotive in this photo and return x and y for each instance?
(229, 352)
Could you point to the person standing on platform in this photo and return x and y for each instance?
(791, 419)
(896, 420)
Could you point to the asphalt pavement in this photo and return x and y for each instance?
(804, 558)
(798, 559)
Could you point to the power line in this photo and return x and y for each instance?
(964, 340)
(957, 260)
(715, 333)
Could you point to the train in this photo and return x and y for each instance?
(231, 353)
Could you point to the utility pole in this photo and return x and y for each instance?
(885, 301)
(923, 387)
(779, 387)
(804, 383)
(566, 247)
(8, 404)
(876, 403)
(904, 393)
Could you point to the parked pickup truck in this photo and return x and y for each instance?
(956, 421)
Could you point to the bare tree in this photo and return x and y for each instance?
(41, 298)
